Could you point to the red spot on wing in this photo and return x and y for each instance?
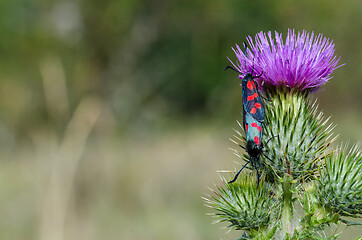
(256, 126)
(247, 127)
(251, 97)
(253, 111)
(256, 140)
(258, 105)
(250, 85)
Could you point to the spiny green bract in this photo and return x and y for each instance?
(340, 184)
(244, 204)
(298, 135)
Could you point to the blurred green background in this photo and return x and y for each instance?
(115, 115)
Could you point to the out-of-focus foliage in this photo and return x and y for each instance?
(149, 58)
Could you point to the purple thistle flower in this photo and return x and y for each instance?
(303, 62)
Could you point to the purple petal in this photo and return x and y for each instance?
(304, 61)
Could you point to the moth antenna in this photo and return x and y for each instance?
(232, 68)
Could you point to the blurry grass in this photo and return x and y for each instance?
(127, 188)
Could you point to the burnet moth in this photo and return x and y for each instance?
(253, 117)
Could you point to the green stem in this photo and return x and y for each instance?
(287, 206)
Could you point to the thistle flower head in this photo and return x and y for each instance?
(303, 62)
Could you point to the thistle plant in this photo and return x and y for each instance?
(306, 184)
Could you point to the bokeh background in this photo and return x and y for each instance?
(115, 115)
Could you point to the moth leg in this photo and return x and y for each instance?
(257, 173)
(237, 174)
(259, 75)
(242, 147)
(267, 157)
(270, 139)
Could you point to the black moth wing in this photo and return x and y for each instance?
(252, 103)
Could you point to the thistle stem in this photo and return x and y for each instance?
(287, 207)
